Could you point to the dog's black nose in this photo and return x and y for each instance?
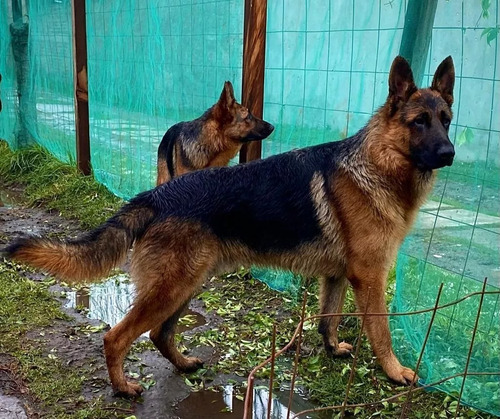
(446, 153)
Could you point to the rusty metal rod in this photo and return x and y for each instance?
(396, 396)
(297, 353)
(271, 378)
(355, 360)
(412, 385)
(474, 331)
(317, 316)
(248, 398)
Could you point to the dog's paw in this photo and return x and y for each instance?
(342, 350)
(190, 364)
(129, 390)
(403, 375)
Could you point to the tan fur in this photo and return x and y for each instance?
(162, 175)
(89, 258)
(211, 151)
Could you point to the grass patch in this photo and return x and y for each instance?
(57, 186)
(55, 388)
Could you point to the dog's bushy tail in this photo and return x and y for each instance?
(88, 257)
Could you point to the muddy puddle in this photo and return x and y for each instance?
(225, 404)
(109, 301)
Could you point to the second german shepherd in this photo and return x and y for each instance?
(210, 140)
(338, 211)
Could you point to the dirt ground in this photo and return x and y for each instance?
(164, 399)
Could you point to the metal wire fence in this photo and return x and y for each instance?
(404, 398)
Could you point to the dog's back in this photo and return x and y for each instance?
(267, 205)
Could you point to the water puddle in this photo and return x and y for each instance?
(109, 301)
(210, 404)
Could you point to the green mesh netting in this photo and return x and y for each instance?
(50, 110)
(151, 64)
(326, 72)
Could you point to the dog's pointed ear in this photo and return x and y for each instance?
(227, 96)
(401, 84)
(444, 80)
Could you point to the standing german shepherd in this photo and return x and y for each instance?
(338, 211)
(210, 140)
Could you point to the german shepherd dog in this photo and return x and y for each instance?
(338, 211)
(210, 140)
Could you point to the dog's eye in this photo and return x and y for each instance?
(419, 121)
(445, 120)
(249, 116)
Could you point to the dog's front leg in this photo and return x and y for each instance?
(369, 292)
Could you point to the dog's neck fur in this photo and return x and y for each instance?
(211, 123)
(376, 166)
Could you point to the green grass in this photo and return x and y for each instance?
(57, 186)
(244, 339)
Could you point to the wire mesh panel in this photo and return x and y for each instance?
(152, 64)
(326, 73)
(457, 237)
(327, 67)
(50, 117)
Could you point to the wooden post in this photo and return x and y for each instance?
(417, 34)
(81, 86)
(254, 53)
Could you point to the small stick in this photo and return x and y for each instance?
(297, 353)
(471, 345)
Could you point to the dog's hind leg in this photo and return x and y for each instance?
(163, 336)
(332, 295)
(144, 315)
(166, 274)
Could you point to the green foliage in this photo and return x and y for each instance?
(57, 186)
(490, 33)
(485, 8)
(465, 137)
(18, 312)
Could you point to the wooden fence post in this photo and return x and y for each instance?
(81, 86)
(254, 53)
